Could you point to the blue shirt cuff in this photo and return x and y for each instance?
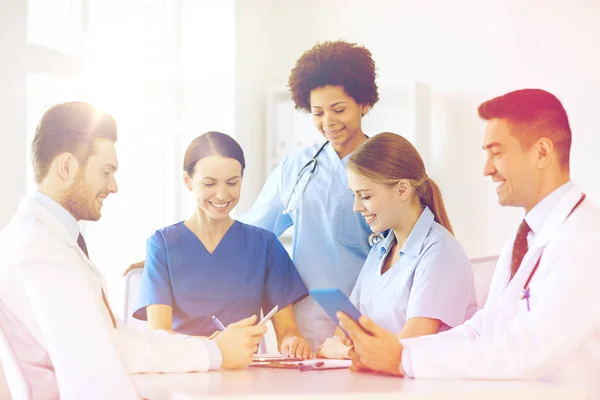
(214, 354)
(406, 363)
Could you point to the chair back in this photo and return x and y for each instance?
(4, 390)
(133, 280)
(15, 379)
(483, 271)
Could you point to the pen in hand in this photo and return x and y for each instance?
(218, 323)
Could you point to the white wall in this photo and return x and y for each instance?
(12, 105)
(255, 67)
(467, 51)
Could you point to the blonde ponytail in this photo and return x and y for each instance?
(431, 196)
(388, 158)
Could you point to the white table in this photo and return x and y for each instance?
(261, 383)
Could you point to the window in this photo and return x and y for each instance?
(165, 70)
(56, 25)
(43, 91)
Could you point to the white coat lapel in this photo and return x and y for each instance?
(30, 206)
(558, 216)
(501, 273)
(555, 219)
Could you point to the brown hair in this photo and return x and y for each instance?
(209, 144)
(536, 114)
(69, 128)
(387, 158)
(336, 63)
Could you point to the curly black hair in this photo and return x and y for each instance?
(336, 63)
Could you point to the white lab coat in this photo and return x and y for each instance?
(57, 324)
(558, 339)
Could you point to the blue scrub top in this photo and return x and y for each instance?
(330, 241)
(248, 270)
(431, 279)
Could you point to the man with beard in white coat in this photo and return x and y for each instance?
(53, 307)
(542, 317)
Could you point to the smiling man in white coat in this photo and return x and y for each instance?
(542, 317)
(53, 307)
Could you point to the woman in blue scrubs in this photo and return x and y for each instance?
(418, 280)
(335, 82)
(211, 264)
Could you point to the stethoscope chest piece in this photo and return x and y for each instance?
(374, 238)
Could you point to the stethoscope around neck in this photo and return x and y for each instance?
(302, 180)
(375, 238)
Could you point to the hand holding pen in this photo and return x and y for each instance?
(239, 341)
(220, 328)
(218, 323)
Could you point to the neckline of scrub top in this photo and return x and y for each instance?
(235, 222)
(332, 154)
(344, 161)
(414, 242)
(339, 164)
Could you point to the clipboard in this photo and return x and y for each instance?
(262, 358)
(305, 365)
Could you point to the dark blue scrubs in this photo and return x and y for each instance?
(248, 270)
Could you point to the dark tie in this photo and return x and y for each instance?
(83, 247)
(519, 248)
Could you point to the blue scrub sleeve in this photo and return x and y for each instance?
(283, 285)
(443, 285)
(155, 286)
(267, 211)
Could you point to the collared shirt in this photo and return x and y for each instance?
(431, 279)
(66, 218)
(538, 215)
(330, 242)
(72, 227)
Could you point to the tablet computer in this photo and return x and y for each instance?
(334, 300)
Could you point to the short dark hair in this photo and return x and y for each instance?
(336, 63)
(535, 113)
(209, 144)
(69, 128)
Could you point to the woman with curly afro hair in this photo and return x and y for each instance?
(335, 82)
